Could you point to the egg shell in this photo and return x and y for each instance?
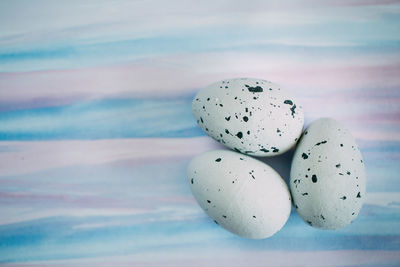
(327, 177)
(242, 194)
(250, 116)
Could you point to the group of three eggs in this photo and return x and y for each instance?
(244, 195)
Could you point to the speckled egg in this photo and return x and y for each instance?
(243, 195)
(327, 178)
(250, 116)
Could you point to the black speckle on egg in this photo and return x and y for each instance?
(228, 118)
(320, 143)
(338, 165)
(358, 195)
(304, 156)
(239, 135)
(292, 109)
(314, 178)
(257, 89)
(274, 149)
(218, 160)
(245, 118)
(208, 201)
(191, 180)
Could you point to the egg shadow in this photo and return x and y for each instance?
(280, 163)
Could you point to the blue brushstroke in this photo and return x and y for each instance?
(77, 53)
(37, 54)
(58, 238)
(108, 118)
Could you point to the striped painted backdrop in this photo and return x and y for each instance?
(96, 128)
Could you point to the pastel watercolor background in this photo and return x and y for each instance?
(96, 128)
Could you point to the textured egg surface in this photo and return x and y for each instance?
(327, 178)
(248, 115)
(242, 194)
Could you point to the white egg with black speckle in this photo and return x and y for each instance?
(327, 177)
(250, 116)
(242, 194)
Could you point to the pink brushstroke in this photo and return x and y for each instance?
(185, 74)
(27, 157)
